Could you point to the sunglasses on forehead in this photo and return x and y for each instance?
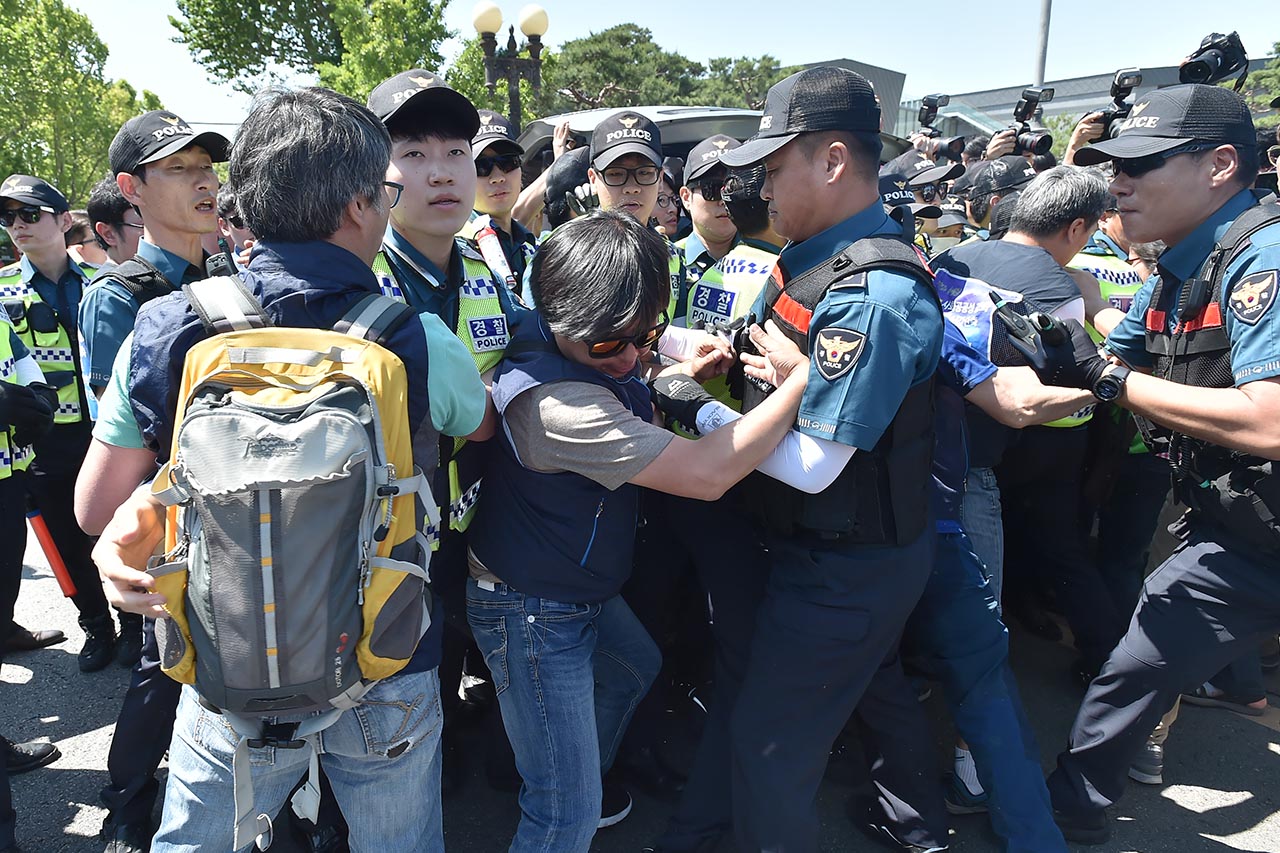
(503, 162)
(609, 347)
(29, 215)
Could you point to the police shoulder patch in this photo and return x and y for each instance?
(469, 249)
(837, 350)
(1252, 296)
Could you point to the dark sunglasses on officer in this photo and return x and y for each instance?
(502, 162)
(27, 213)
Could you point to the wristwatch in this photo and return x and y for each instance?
(1111, 383)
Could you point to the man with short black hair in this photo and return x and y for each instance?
(498, 157)
(82, 245)
(845, 572)
(999, 179)
(117, 225)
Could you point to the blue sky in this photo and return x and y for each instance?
(940, 51)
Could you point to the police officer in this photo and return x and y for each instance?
(1204, 329)
(506, 244)
(42, 294)
(714, 233)
(845, 572)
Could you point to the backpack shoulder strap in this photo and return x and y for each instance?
(224, 304)
(849, 268)
(374, 317)
(143, 281)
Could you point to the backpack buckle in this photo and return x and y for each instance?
(277, 735)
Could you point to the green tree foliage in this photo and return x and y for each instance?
(1262, 87)
(620, 67)
(350, 45)
(58, 113)
(466, 74)
(741, 82)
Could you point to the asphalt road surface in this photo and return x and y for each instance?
(1221, 791)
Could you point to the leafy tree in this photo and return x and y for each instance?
(466, 74)
(741, 82)
(351, 45)
(1262, 87)
(57, 112)
(620, 67)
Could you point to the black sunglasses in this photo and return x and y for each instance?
(29, 215)
(504, 162)
(1136, 167)
(710, 190)
(929, 192)
(610, 347)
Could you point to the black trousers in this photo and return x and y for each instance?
(13, 535)
(1040, 491)
(1203, 608)
(51, 483)
(8, 817)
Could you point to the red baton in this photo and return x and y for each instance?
(51, 553)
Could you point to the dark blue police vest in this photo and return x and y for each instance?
(558, 536)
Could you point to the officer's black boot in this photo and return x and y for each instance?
(129, 645)
(99, 642)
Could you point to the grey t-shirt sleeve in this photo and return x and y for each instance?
(584, 429)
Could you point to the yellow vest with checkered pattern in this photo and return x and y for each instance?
(12, 457)
(51, 350)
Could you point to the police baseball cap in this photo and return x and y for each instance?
(1002, 175)
(495, 129)
(1167, 118)
(816, 99)
(952, 216)
(565, 174)
(155, 135)
(34, 191)
(963, 184)
(934, 174)
(624, 133)
(894, 190)
(421, 94)
(705, 156)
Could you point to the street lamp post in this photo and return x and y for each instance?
(487, 18)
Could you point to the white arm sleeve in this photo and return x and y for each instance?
(680, 343)
(801, 461)
(1072, 310)
(29, 371)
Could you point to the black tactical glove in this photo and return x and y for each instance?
(1060, 352)
(680, 398)
(28, 409)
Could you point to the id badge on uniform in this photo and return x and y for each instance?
(710, 305)
(488, 333)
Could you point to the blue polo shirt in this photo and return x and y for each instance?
(960, 369)
(108, 310)
(1248, 296)
(899, 324)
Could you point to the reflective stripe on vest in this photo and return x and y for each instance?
(1117, 281)
(11, 457)
(51, 350)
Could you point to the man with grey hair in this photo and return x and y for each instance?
(317, 240)
(1038, 469)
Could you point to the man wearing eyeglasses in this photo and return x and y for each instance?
(1197, 359)
(714, 233)
(506, 244)
(117, 225)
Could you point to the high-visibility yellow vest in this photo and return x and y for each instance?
(12, 457)
(51, 350)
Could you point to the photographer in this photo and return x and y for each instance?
(1184, 176)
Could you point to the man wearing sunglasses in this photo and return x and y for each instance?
(1197, 358)
(506, 244)
(42, 294)
(714, 233)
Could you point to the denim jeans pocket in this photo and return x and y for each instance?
(213, 733)
(398, 713)
(490, 631)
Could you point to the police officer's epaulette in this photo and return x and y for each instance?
(14, 268)
(469, 249)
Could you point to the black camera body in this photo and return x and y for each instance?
(949, 147)
(1217, 58)
(1030, 140)
(1122, 86)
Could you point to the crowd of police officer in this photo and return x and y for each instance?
(1000, 358)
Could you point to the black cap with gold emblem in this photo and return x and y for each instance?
(495, 129)
(705, 156)
(34, 191)
(625, 132)
(155, 135)
(421, 94)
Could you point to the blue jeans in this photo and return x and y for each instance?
(980, 517)
(382, 758)
(957, 629)
(568, 677)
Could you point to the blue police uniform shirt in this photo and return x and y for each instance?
(64, 295)
(1255, 341)
(901, 326)
(431, 292)
(108, 311)
(961, 368)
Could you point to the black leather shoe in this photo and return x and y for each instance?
(646, 769)
(1091, 828)
(21, 757)
(99, 643)
(22, 640)
(129, 643)
(126, 837)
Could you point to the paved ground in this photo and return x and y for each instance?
(1222, 790)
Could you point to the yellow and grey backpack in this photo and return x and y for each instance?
(295, 571)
